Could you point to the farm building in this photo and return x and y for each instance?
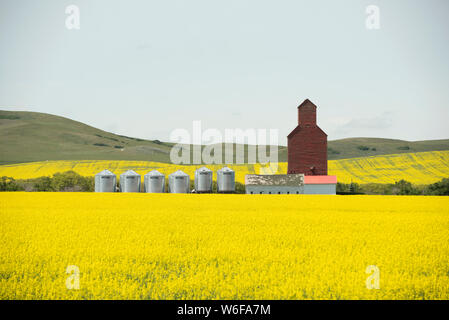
(307, 161)
(320, 184)
(130, 181)
(290, 184)
(154, 182)
(105, 181)
(274, 184)
(203, 180)
(307, 144)
(179, 182)
(225, 180)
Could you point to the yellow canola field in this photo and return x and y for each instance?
(418, 168)
(186, 246)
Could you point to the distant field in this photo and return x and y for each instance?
(418, 168)
(176, 246)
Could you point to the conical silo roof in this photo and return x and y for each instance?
(204, 169)
(130, 173)
(105, 173)
(154, 173)
(226, 169)
(179, 173)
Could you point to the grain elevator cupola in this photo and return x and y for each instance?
(307, 144)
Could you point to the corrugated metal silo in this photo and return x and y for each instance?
(130, 181)
(105, 181)
(179, 182)
(154, 182)
(225, 180)
(203, 180)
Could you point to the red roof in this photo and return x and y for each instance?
(320, 179)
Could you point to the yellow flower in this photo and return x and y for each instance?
(195, 246)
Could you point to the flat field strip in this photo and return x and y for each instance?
(418, 168)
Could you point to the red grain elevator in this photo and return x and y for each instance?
(307, 144)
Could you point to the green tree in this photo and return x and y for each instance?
(9, 184)
(342, 187)
(71, 181)
(440, 188)
(404, 187)
(354, 187)
(239, 187)
(43, 184)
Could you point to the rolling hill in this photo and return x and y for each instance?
(32, 136)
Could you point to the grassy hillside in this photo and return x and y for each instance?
(32, 136)
(418, 168)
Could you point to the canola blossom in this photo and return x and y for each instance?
(418, 168)
(198, 246)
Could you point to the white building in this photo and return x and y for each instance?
(320, 184)
(290, 184)
(274, 184)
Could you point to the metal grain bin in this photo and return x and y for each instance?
(105, 181)
(154, 182)
(203, 180)
(130, 181)
(225, 180)
(179, 182)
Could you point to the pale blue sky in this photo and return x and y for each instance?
(144, 68)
